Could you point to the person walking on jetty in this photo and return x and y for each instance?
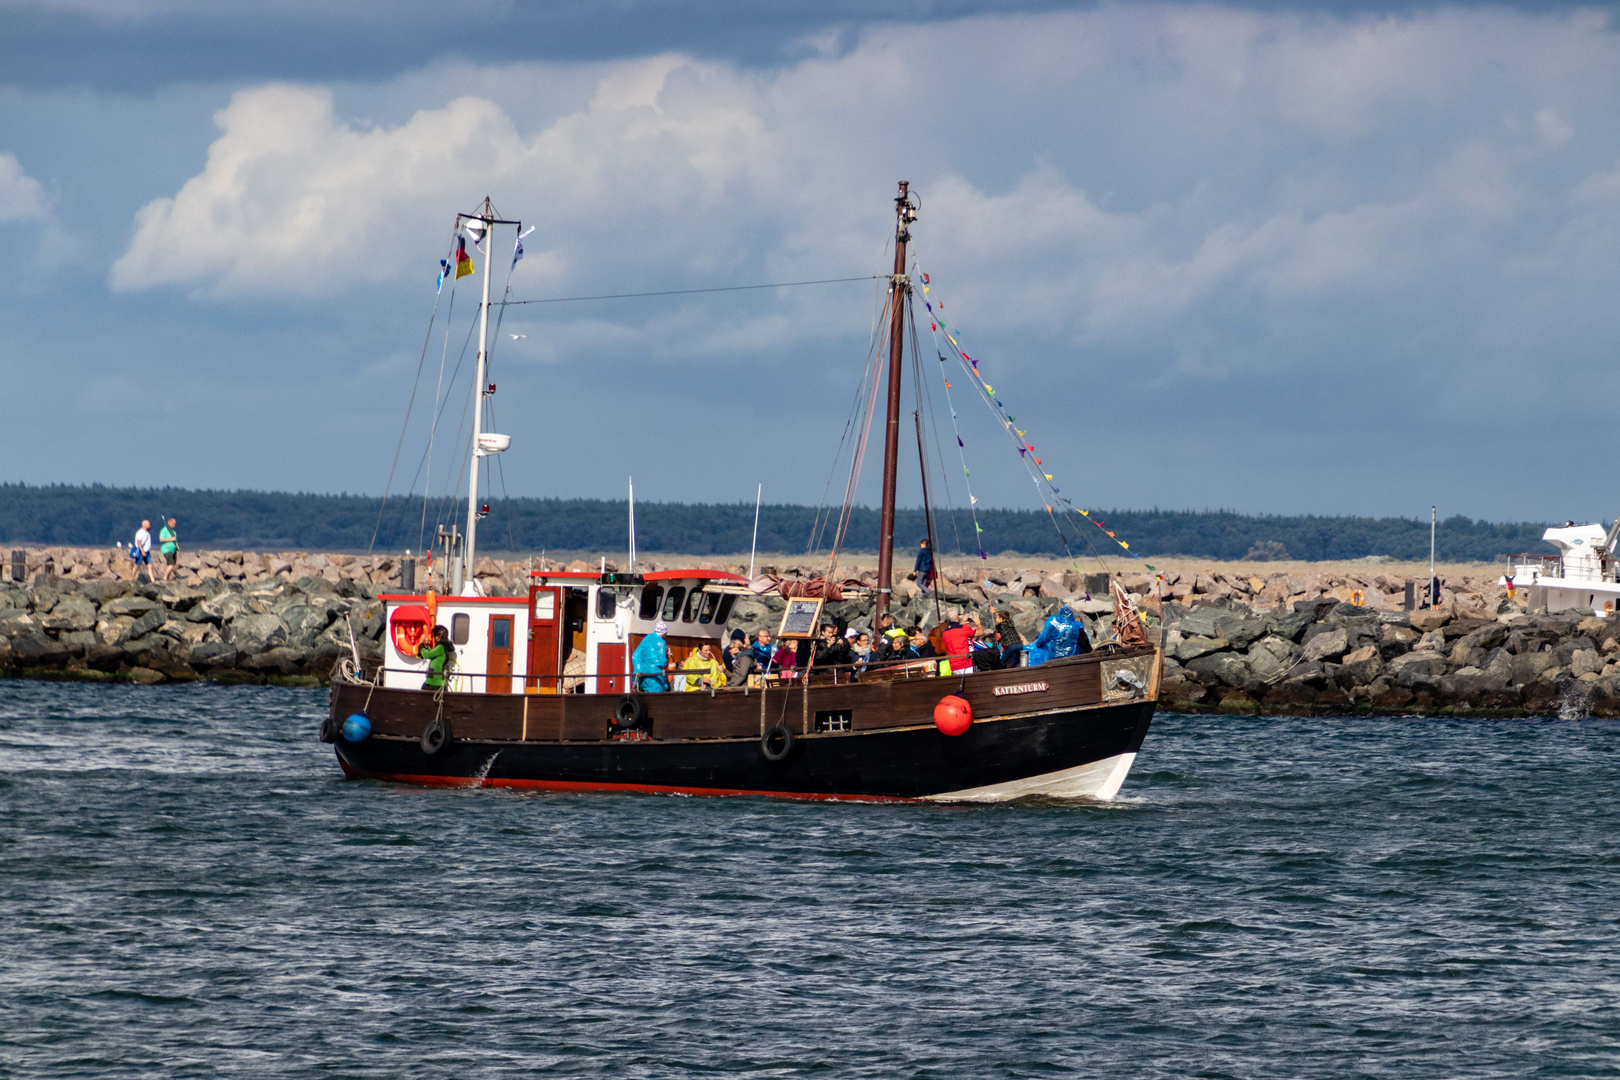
(169, 548)
(140, 552)
(925, 565)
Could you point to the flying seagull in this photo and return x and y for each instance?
(517, 337)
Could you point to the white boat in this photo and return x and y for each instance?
(1584, 576)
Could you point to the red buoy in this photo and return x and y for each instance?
(953, 715)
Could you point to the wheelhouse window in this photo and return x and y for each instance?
(606, 602)
(694, 604)
(672, 603)
(724, 613)
(650, 597)
(711, 601)
(460, 628)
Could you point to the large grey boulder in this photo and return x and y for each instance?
(211, 654)
(1200, 622)
(132, 604)
(1225, 667)
(1528, 667)
(15, 622)
(1417, 670)
(305, 623)
(71, 613)
(149, 622)
(35, 649)
(1586, 662)
(114, 629)
(178, 597)
(99, 592)
(1241, 629)
(1190, 648)
(1327, 646)
(256, 633)
(148, 643)
(283, 659)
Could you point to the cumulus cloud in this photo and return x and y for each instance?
(1209, 191)
(21, 197)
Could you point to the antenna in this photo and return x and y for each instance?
(632, 567)
(755, 549)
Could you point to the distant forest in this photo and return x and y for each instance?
(96, 515)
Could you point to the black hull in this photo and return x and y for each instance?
(998, 758)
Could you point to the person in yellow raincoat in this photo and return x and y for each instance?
(703, 668)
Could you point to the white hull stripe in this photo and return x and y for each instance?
(1098, 780)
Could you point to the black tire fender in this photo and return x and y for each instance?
(435, 736)
(329, 729)
(777, 743)
(630, 713)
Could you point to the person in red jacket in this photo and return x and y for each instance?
(958, 636)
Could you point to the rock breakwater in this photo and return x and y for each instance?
(1274, 643)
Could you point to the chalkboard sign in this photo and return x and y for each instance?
(801, 618)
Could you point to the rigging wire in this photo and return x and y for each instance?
(1006, 422)
(861, 391)
(427, 338)
(690, 292)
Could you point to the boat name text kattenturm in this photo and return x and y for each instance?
(1020, 688)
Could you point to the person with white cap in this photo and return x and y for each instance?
(650, 661)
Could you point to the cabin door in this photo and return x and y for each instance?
(545, 638)
(610, 669)
(499, 680)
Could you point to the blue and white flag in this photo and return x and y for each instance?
(517, 252)
(444, 268)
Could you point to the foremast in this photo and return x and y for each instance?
(480, 225)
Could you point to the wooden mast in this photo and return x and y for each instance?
(899, 290)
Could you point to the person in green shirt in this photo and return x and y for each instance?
(169, 548)
(439, 655)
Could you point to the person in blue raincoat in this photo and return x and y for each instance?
(1061, 636)
(651, 660)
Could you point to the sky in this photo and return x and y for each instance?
(1275, 258)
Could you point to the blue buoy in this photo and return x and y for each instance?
(357, 728)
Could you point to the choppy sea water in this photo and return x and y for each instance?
(189, 888)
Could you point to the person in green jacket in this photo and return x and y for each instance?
(439, 655)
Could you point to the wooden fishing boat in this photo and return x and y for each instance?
(515, 715)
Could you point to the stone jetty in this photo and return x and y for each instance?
(1280, 642)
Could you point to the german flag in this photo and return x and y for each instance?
(464, 264)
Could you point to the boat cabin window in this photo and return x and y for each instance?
(672, 605)
(725, 608)
(606, 603)
(650, 596)
(694, 604)
(710, 602)
(460, 627)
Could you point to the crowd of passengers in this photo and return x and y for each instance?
(958, 646)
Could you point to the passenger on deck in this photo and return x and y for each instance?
(958, 637)
(764, 653)
(739, 660)
(921, 648)
(573, 672)
(831, 649)
(650, 661)
(703, 669)
(861, 652)
(1008, 637)
(439, 655)
(1062, 636)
